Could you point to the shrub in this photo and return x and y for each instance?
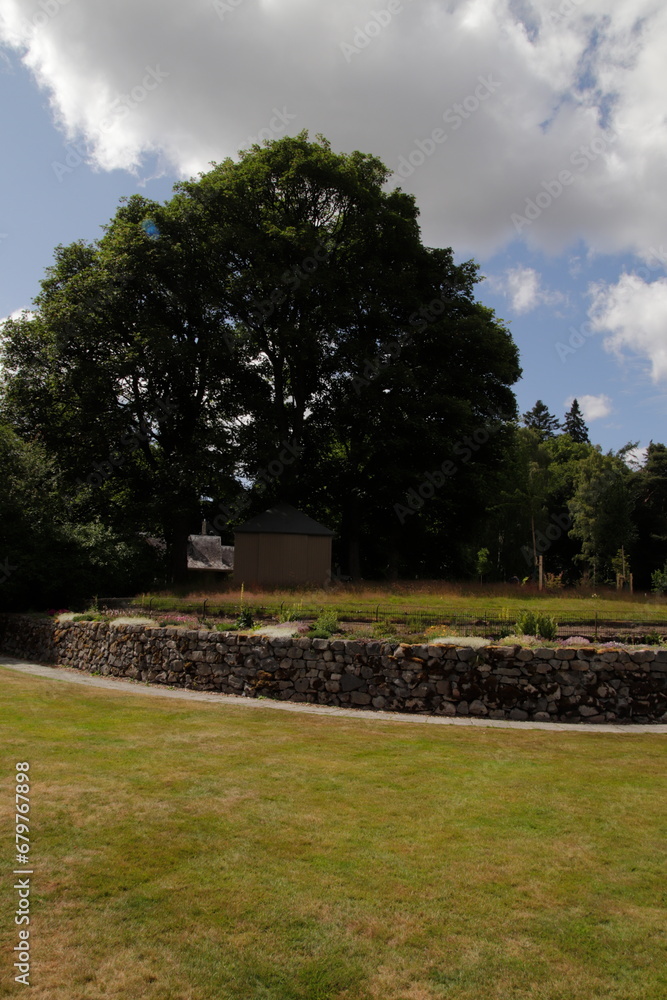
(325, 626)
(526, 623)
(547, 627)
(245, 619)
(659, 581)
(529, 623)
(89, 616)
(385, 630)
(652, 639)
(292, 613)
(328, 622)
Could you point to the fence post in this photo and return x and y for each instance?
(596, 624)
(204, 606)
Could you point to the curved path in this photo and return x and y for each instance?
(140, 687)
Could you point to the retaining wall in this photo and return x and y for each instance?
(498, 682)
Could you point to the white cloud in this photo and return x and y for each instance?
(592, 407)
(570, 86)
(634, 313)
(523, 285)
(17, 314)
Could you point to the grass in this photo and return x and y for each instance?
(213, 852)
(430, 597)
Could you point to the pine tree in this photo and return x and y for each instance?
(574, 424)
(539, 419)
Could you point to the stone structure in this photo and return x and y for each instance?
(496, 682)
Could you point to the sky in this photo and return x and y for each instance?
(533, 136)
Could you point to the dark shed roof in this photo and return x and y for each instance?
(285, 520)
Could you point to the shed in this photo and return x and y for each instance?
(282, 547)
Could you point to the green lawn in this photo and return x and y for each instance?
(432, 598)
(187, 851)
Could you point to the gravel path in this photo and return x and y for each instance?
(138, 687)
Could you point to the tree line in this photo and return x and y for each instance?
(277, 331)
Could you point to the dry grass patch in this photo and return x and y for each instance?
(207, 852)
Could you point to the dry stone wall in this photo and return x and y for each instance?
(496, 682)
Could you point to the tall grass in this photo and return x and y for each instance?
(420, 596)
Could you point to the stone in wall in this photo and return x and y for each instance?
(495, 682)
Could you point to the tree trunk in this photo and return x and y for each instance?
(176, 536)
(351, 537)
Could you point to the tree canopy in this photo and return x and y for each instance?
(277, 331)
(281, 305)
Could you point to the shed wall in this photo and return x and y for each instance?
(282, 560)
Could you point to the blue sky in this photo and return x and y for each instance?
(533, 136)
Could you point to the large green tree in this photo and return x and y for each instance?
(649, 494)
(46, 556)
(276, 330)
(601, 509)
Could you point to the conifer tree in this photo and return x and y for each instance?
(539, 419)
(574, 424)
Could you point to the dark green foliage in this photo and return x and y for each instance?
(326, 625)
(245, 619)
(659, 580)
(541, 420)
(574, 424)
(601, 509)
(48, 559)
(288, 300)
(648, 487)
(533, 623)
